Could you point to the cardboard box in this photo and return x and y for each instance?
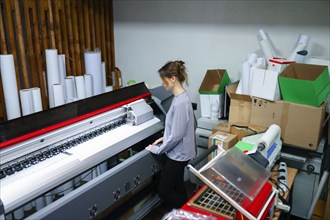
(305, 84)
(301, 125)
(225, 139)
(240, 129)
(206, 102)
(265, 84)
(212, 89)
(304, 125)
(266, 113)
(244, 129)
(240, 106)
(222, 126)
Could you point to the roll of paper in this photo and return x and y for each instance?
(302, 43)
(93, 66)
(49, 198)
(53, 73)
(19, 213)
(252, 58)
(267, 49)
(104, 75)
(62, 71)
(301, 56)
(303, 39)
(40, 203)
(257, 65)
(88, 85)
(245, 77)
(266, 45)
(70, 87)
(9, 85)
(270, 135)
(26, 101)
(80, 87)
(74, 85)
(58, 95)
(36, 99)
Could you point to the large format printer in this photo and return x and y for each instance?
(63, 163)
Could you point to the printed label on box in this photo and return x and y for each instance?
(218, 140)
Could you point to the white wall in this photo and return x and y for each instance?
(210, 34)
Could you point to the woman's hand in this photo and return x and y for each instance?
(148, 148)
(158, 141)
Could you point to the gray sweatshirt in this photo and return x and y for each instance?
(179, 136)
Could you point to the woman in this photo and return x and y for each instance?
(177, 146)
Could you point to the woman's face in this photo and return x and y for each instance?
(168, 83)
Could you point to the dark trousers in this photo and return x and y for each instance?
(171, 187)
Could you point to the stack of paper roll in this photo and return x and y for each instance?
(61, 89)
(9, 84)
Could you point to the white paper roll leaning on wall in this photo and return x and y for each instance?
(80, 87)
(88, 85)
(9, 84)
(36, 99)
(26, 101)
(58, 95)
(53, 74)
(93, 66)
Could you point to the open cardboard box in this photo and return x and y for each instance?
(240, 105)
(305, 84)
(212, 91)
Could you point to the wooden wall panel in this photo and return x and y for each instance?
(28, 27)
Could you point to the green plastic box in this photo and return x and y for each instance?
(305, 84)
(214, 82)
